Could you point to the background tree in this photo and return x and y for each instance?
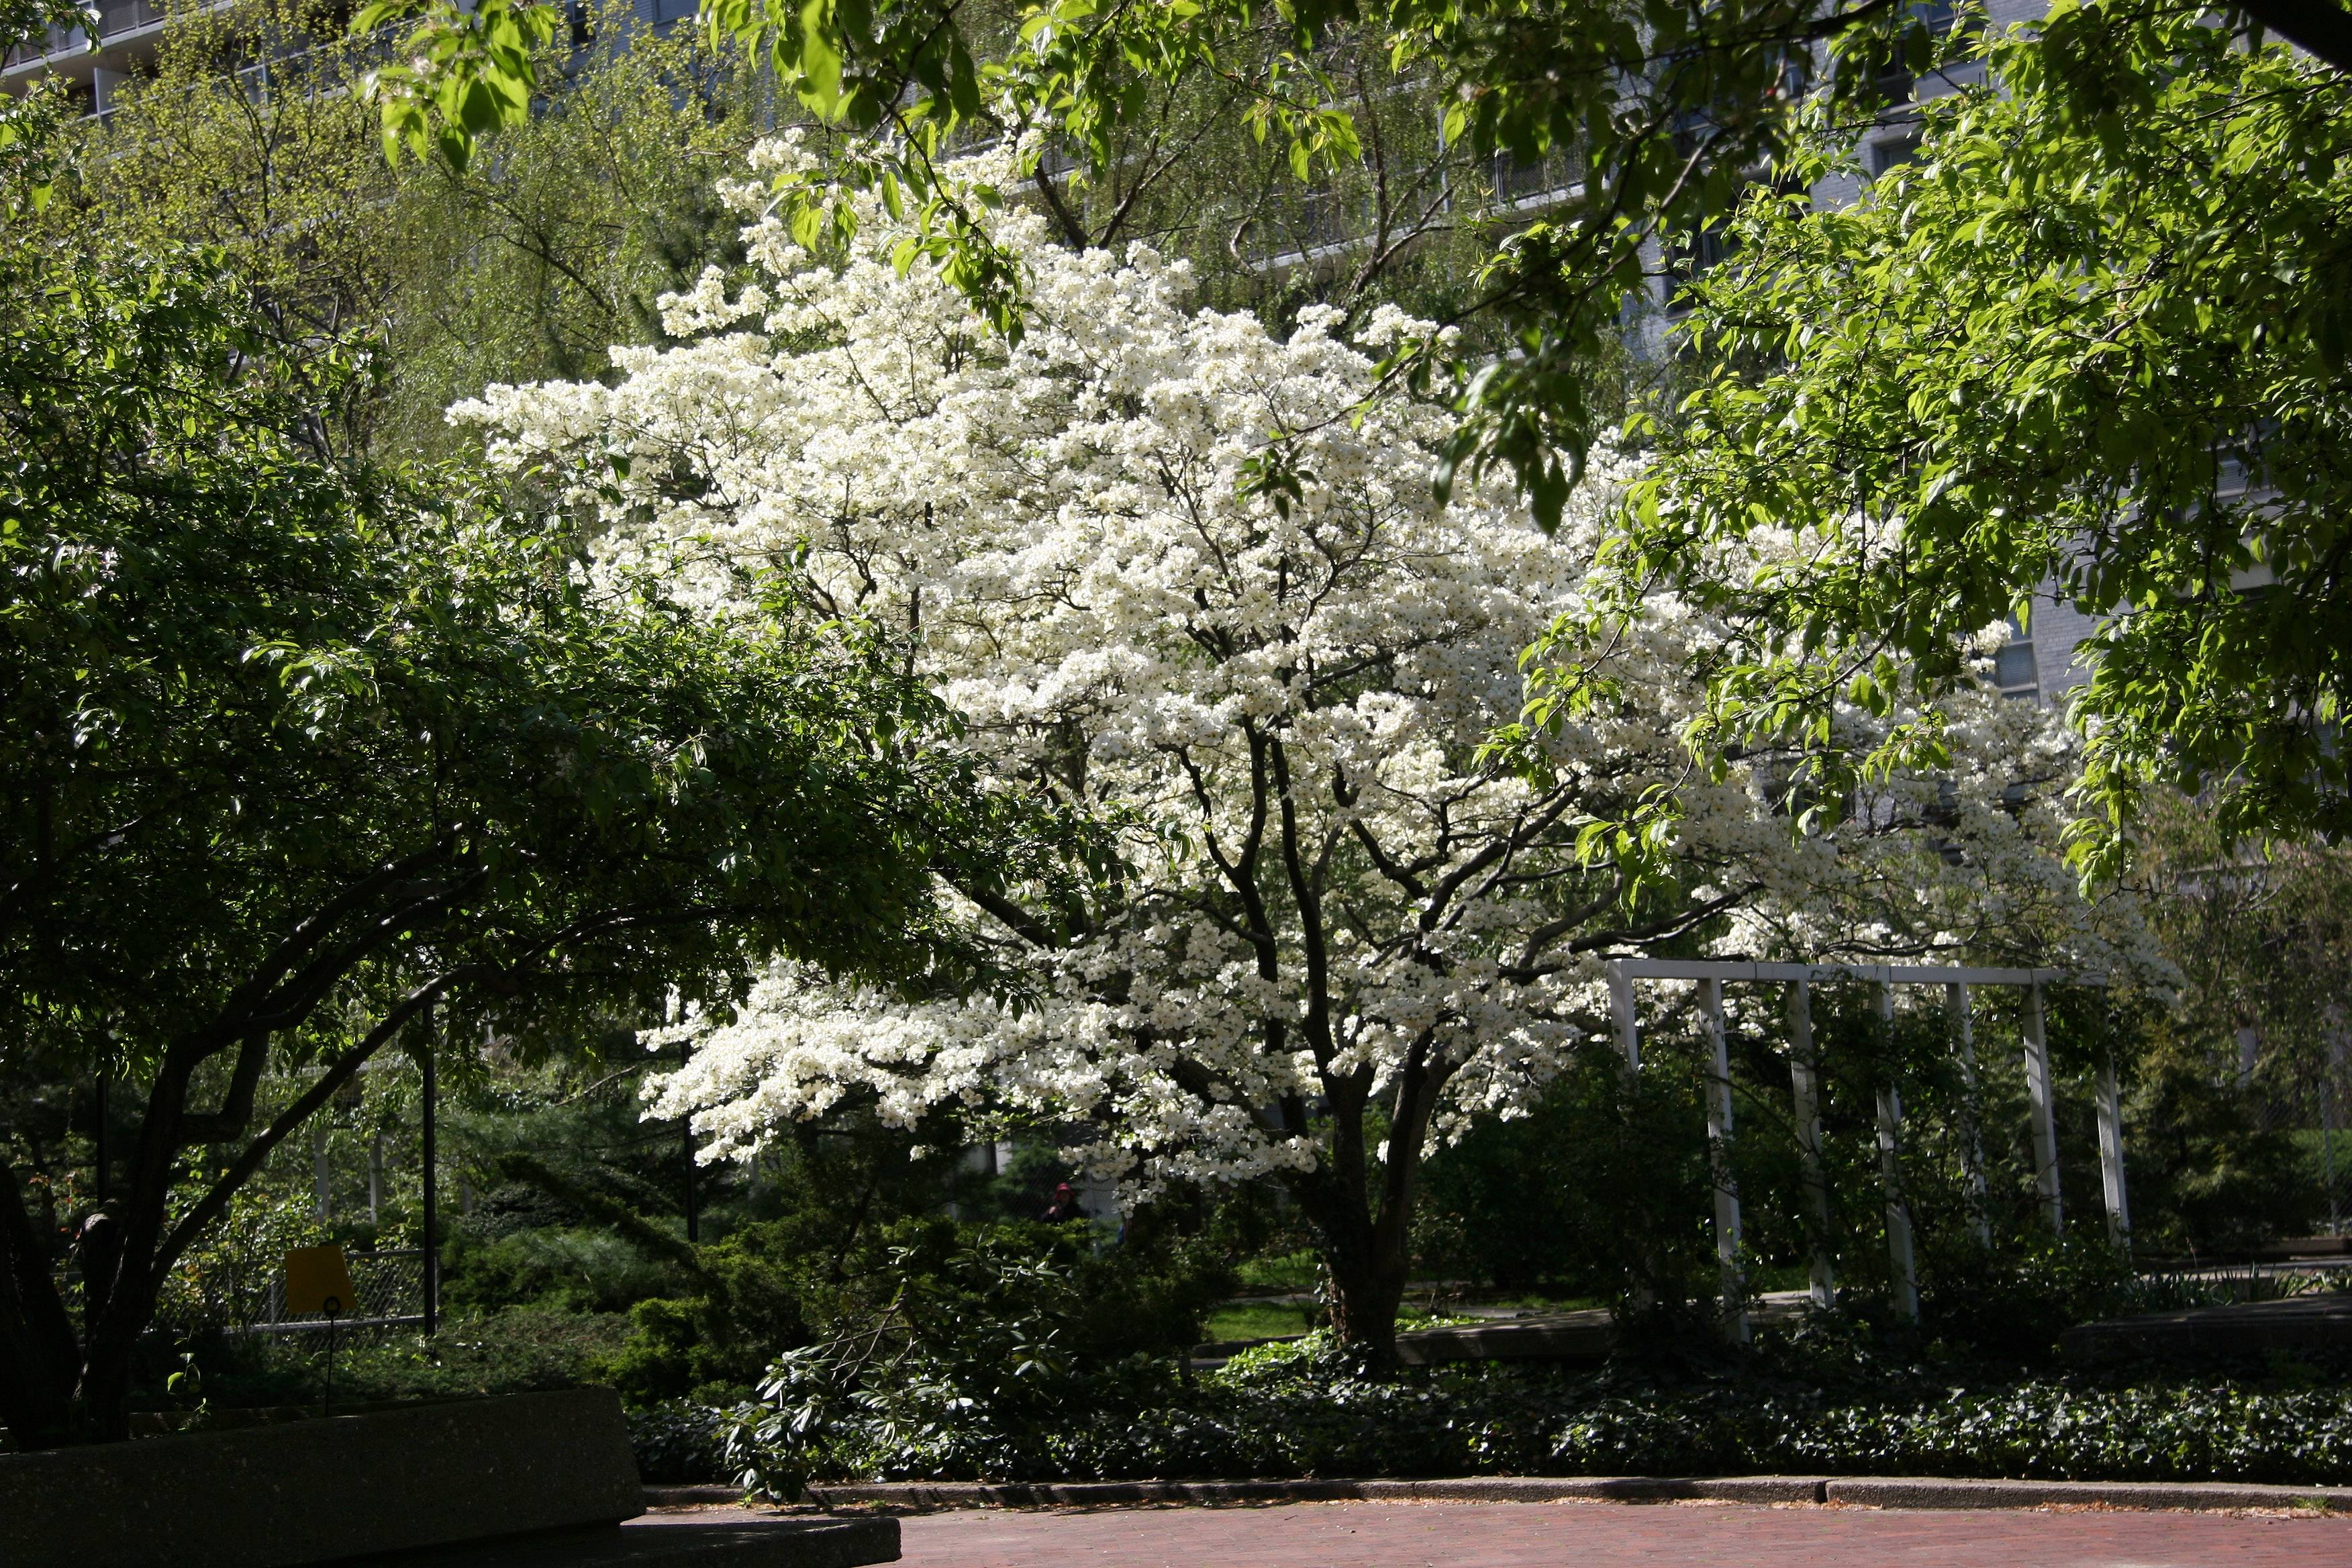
(2091, 352)
(291, 752)
(1666, 109)
(246, 138)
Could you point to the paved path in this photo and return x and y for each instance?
(1595, 1535)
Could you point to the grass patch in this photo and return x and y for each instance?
(1254, 1320)
(1541, 1303)
(1290, 1271)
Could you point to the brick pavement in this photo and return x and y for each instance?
(1597, 1535)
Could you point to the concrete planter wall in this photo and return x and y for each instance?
(314, 1491)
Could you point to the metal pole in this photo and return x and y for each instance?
(2328, 1126)
(685, 1128)
(320, 1189)
(1806, 1090)
(2111, 1152)
(2328, 1148)
(1902, 1269)
(432, 1235)
(2045, 1117)
(1719, 1144)
(1972, 1174)
(97, 1157)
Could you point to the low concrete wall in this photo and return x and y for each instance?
(2299, 1322)
(1889, 1492)
(313, 1491)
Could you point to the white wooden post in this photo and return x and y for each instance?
(1972, 1175)
(1902, 1275)
(1806, 1091)
(2111, 1152)
(1629, 1040)
(1718, 1148)
(1621, 1005)
(2045, 1117)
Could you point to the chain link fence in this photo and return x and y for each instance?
(390, 1286)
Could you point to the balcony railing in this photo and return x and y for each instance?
(114, 19)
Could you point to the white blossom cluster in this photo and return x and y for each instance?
(1187, 575)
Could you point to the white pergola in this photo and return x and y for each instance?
(1713, 975)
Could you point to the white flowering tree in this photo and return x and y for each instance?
(1185, 577)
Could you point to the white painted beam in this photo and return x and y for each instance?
(1730, 971)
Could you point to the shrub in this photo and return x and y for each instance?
(1825, 1402)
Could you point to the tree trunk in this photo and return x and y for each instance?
(106, 1389)
(1367, 1258)
(1364, 1302)
(39, 1361)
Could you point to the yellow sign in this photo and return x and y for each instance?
(318, 1283)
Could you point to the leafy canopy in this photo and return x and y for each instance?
(1662, 107)
(2090, 346)
(291, 751)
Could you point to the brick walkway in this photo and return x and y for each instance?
(1593, 1535)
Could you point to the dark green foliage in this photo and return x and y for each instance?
(713, 1338)
(2010, 1303)
(1594, 1182)
(677, 1442)
(1603, 1184)
(825, 1193)
(557, 1268)
(962, 1343)
(2205, 1178)
(1834, 1407)
(516, 1351)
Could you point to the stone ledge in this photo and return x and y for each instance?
(691, 1496)
(727, 1544)
(1895, 1492)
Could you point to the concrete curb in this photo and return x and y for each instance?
(1900, 1492)
(1887, 1492)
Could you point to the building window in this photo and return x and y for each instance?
(2014, 669)
(1896, 83)
(1893, 153)
(1692, 258)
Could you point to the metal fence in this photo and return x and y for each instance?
(390, 1286)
